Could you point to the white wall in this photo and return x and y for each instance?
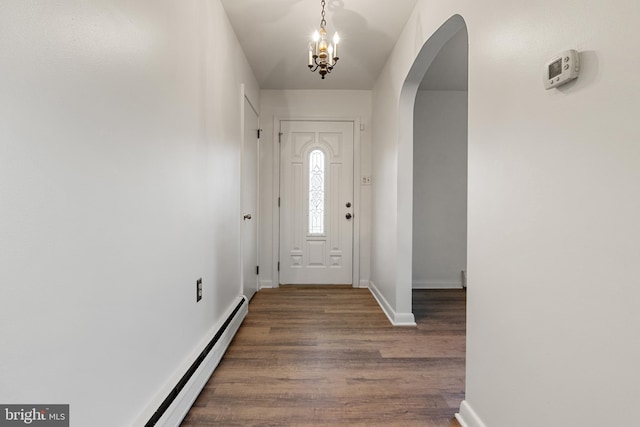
(384, 197)
(305, 104)
(553, 208)
(119, 187)
(440, 189)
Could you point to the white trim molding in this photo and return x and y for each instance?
(266, 284)
(396, 319)
(364, 284)
(437, 284)
(467, 417)
(179, 408)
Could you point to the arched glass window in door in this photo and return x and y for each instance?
(316, 192)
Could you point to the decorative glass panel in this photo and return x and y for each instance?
(316, 192)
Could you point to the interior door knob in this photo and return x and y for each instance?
(348, 216)
(247, 216)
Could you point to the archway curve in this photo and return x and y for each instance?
(408, 93)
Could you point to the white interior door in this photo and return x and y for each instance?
(316, 202)
(250, 201)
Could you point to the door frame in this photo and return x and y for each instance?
(244, 96)
(355, 270)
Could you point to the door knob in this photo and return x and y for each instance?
(348, 216)
(247, 216)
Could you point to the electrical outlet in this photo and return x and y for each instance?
(199, 289)
(366, 180)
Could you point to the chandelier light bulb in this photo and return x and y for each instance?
(316, 37)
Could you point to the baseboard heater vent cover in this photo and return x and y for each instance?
(192, 369)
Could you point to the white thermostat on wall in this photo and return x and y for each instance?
(561, 69)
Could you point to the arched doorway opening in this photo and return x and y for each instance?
(439, 59)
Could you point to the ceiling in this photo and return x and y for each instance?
(275, 36)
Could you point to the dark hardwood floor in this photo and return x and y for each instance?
(328, 356)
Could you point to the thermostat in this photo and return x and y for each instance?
(561, 69)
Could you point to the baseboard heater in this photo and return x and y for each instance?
(192, 369)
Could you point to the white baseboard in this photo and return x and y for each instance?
(266, 284)
(179, 408)
(364, 284)
(467, 417)
(396, 319)
(437, 284)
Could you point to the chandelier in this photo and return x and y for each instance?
(323, 55)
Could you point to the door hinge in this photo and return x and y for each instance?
(259, 133)
(278, 201)
(257, 269)
(278, 265)
(280, 137)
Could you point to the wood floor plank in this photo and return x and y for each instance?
(327, 356)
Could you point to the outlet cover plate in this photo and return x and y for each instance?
(198, 289)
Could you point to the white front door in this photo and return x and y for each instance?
(249, 201)
(316, 202)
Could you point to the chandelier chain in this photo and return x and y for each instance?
(323, 22)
